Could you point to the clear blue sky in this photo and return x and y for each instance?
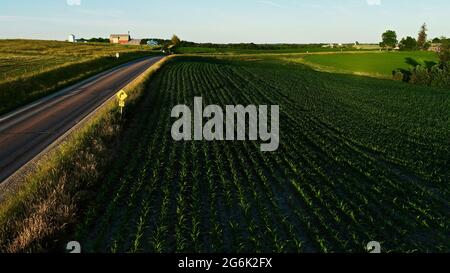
(259, 21)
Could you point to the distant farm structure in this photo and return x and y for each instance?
(120, 38)
(135, 42)
(72, 39)
(152, 43)
(435, 47)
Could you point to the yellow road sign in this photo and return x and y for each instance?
(122, 96)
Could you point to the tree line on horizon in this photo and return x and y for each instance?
(390, 41)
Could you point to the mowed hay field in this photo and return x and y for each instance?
(360, 159)
(31, 69)
(380, 64)
(22, 58)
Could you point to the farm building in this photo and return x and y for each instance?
(120, 38)
(153, 43)
(72, 39)
(435, 47)
(135, 42)
(328, 46)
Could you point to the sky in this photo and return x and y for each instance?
(224, 21)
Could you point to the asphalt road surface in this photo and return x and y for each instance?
(27, 132)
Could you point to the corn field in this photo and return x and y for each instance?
(360, 160)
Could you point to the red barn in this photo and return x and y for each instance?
(120, 38)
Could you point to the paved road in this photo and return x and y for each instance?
(24, 134)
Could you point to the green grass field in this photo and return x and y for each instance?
(360, 159)
(238, 51)
(373, 63)
(31, 69)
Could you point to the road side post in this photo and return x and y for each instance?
(122, 96)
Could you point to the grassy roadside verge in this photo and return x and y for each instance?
(54, 196)
(24, 90)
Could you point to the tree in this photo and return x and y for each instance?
(389, 39)
(444, 52)
(175, 41)
(436, 40)
(167, 47)
(98, 40)
(408, 43)
(422, 39)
